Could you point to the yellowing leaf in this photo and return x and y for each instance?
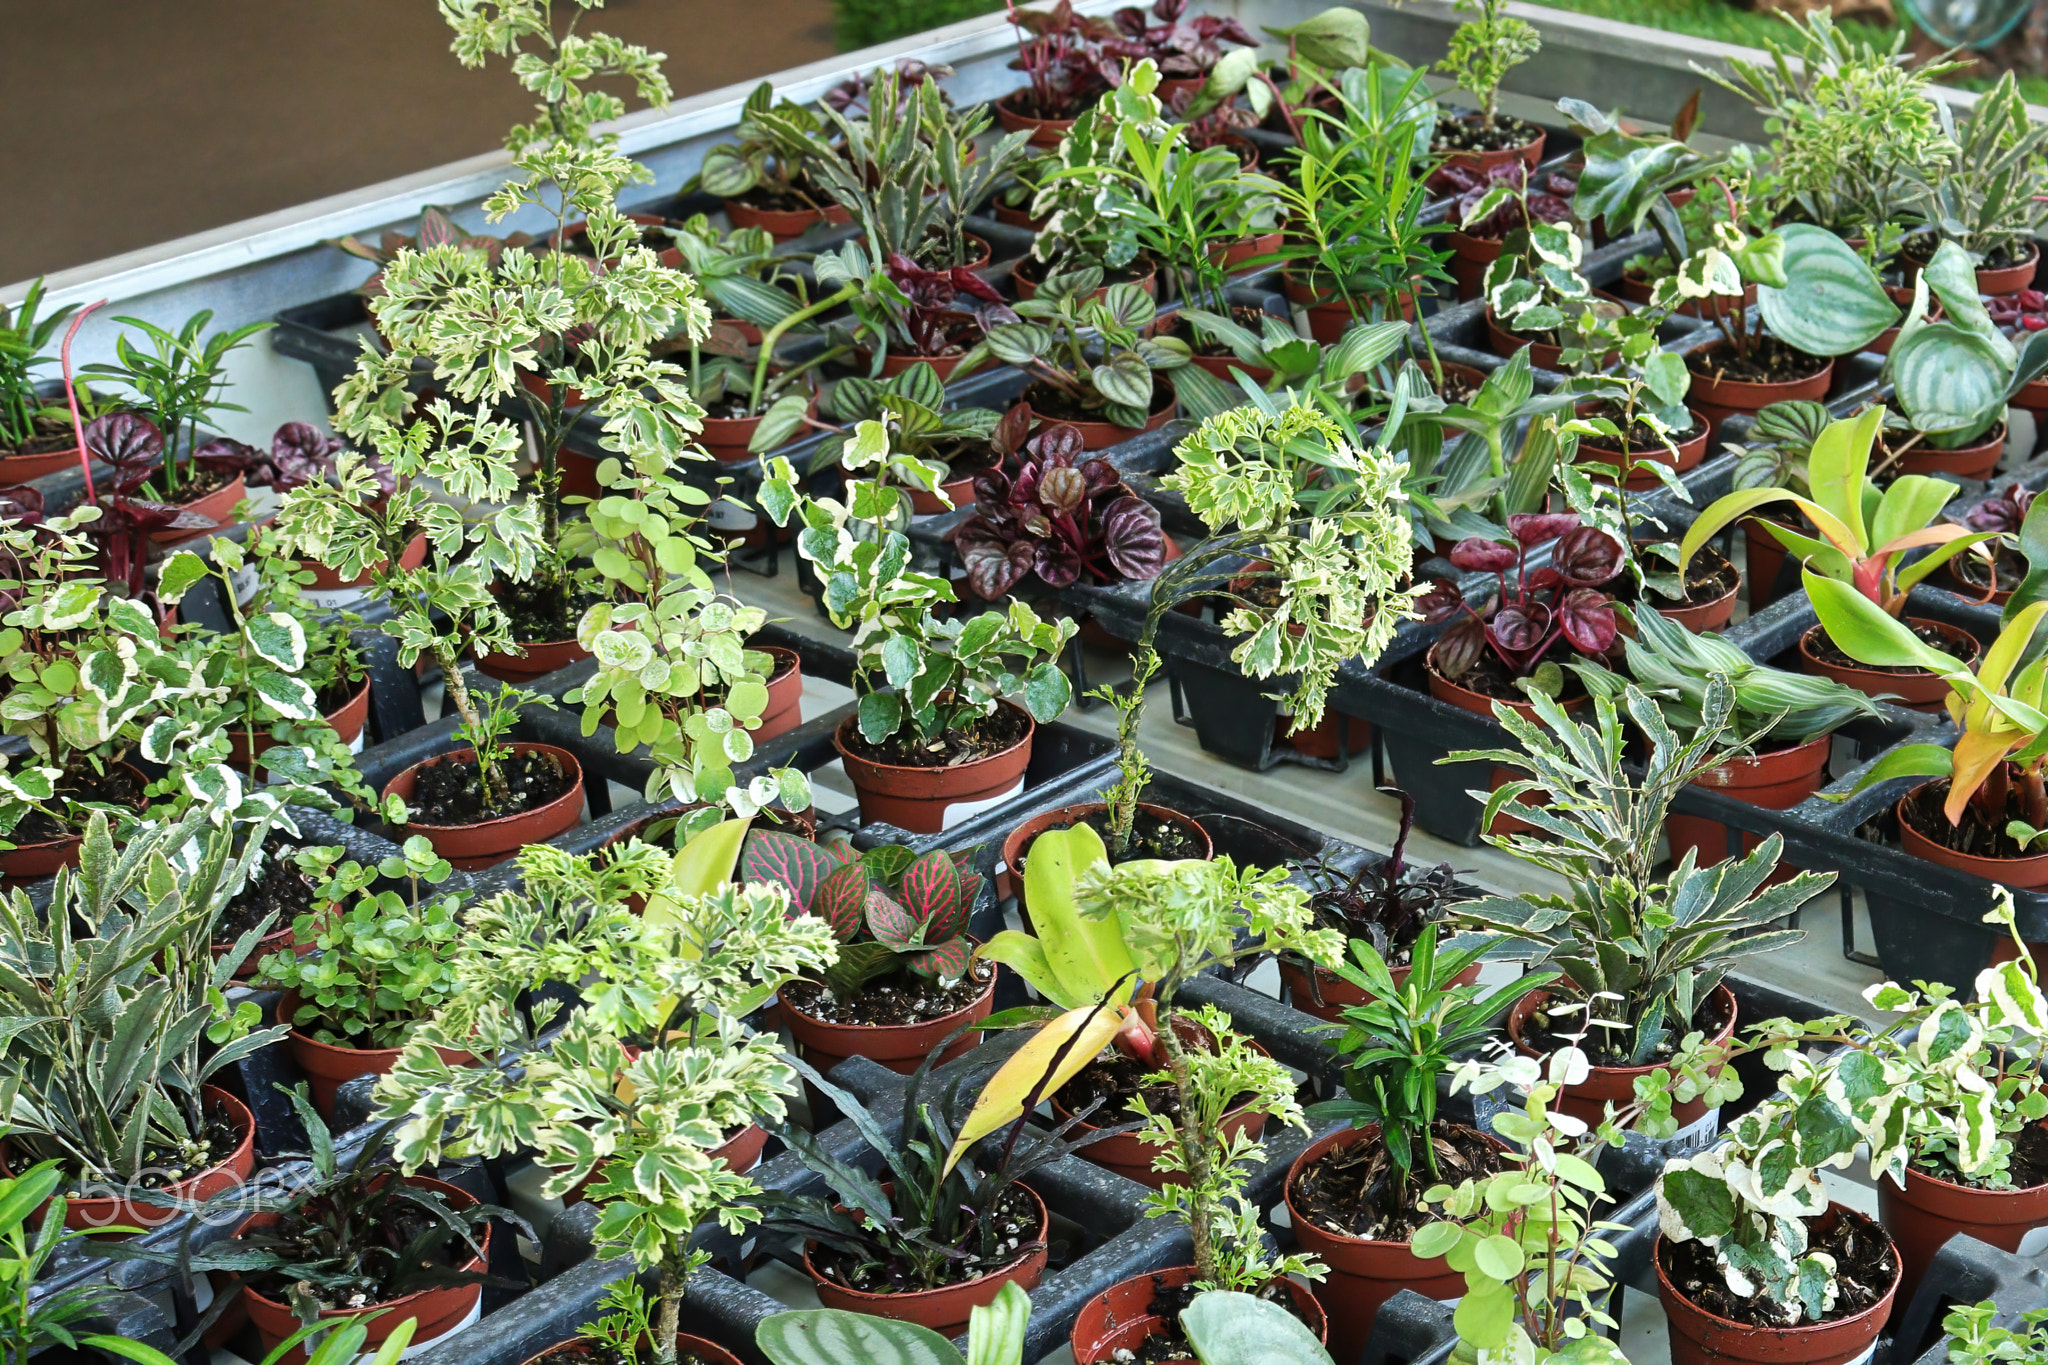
(1002, 1100)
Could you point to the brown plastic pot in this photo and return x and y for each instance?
(896, 363)
(1529, 153)
(2012, 278)
(1719, 399)
(270, 943)
(1029, 278)
(1339, 994)
(327, 1066)
(783, 224)
(1471, 257)
(1103, 435)
(727, 437)
(1922, 1216)
(486, 844)
(945, 1310)
(1118, 1320)
(2022, 874)
(1130, 1156)
(1222, 366)
(900, 1047)
(537, 661)
(1919, 690)
(1589, 1098)
(346, 720)
(16, 467)
(1245, 248)
(29, 861)
(785, 695)
(1018, 843)
(583, 1348)
(1690, 452)
(1363, 1273)
(1702, 1338)
(924, 504)
(920, 799)
(219, 505)
(1777, 779)
(1766, 558)
(327, 580)
(92, 1214)
(1330, 318)
(1977, 461)
(1018, 218)
(1045, 132)
(437, 1312)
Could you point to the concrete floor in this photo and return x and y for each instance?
(131, 122)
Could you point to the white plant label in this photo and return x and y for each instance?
(962, 811)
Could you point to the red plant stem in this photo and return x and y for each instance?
(71, 396)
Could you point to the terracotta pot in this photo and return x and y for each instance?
(1690, 452)
(2009, 280)
(2023, 874)
(1321, 739)
(1702, 1338)
(923, 800)
(437, 1312)
(896, 363)
(1120, 1318)
(726, 437)
(486, 844)
(92, 1214)
(1699, 617)
(1018, 218)
(785, 695)
(1028, 284)
(783, 224)
(1919, 690)
(1131, 1157)
(1529, 153)
(1339, 994)
(1222, 366)
(1470, 259)
(1045, 132)
(1329, 319)
(1977, 461)
(1103, 435)
(579, 1348)
(1719, 399)
(270, 943)
(1766, 557)
(346, 720)
(1479, 704)
(1923, 1215)
(1018, 842)
(924, 504)
(1588, 1099)
(1776, 779)
(18, 468)
(219, 504)
(27, 862)
(900, 1047)
(945, 1310)
(327, 580)
(1363, 1273)
(326, 1065)
(1638, 288)
(1245, 248)
(538, 661)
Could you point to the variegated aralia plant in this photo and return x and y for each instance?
(644, 1076)
(911, 667)
(890, 910)
(1940, 1087)
(1864, 532)
(437, 228)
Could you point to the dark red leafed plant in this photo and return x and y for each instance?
(1180, 49)
(1533, 613)
(133, 447)
(1224, 123)
(2003, 511)
(300, 454)
(850, 96)
(949, 309)
(1058, 516)
(2026, 311)
(1549, 200)
(1064, 57)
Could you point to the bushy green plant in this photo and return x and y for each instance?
(177, 383)
(738, 271)
(25, 335)
(1094, 352)
(1974, 1340)
(925, 435)
(1484, 49)
(1989, 197)
(777, 147)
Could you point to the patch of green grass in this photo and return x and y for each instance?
(863, 23)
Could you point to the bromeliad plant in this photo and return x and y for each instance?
(912, 670)
(1864, 534)
(1641, 953)
(1061, 516)
(644, 1077)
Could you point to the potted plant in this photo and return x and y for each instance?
(1987, 804)
(626, 1334)
(746, 283)
(177, 384)
(1847, 551)
(1491, 206)
(115, 1035)
(1354, 1196)
(1775, 456)
(1483, 50)
(1986, 197)
(933, 739)
(768, 177)
(355, 1240)
(1065, 67)
(1991, 571)
(1322, 51)
(36, 438)
(1081, 524)
(382, 967)
(1091, 365)
(1538, 300)
(1269, 353)
(625, 1079)
(1184, 52)
(1385, 905)
(916, 316)
(1630, 995)
(834, 1336)
(1796, 714)
(953, 447)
